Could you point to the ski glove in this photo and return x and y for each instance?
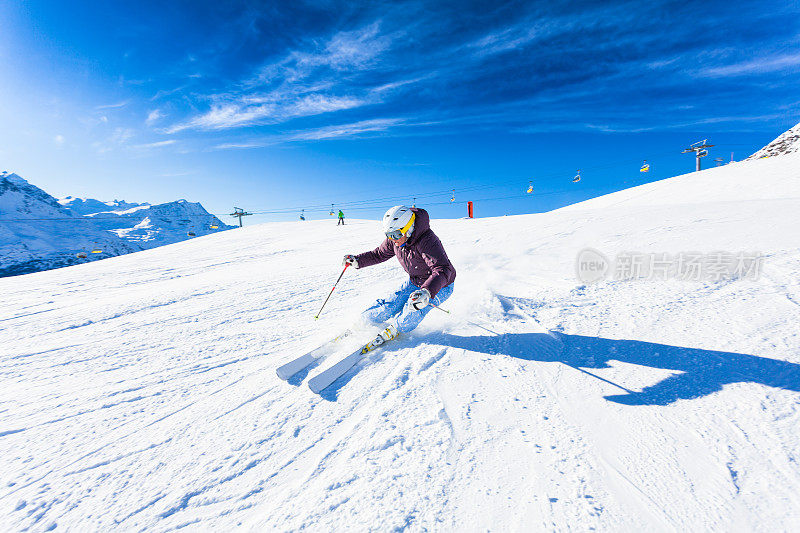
(350, 259)
(419, 299)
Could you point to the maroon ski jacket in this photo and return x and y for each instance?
(422, 256)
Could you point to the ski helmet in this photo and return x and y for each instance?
(398, 221)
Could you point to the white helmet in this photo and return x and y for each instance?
(398, 221)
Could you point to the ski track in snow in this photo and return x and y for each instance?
(139, 392)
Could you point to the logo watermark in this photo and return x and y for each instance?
(592, 266)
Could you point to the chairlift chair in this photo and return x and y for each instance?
(698, 143)
(530, 187)
(577, 177)
(81, 255)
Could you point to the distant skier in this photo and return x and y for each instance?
(420, 252)
(341, 218)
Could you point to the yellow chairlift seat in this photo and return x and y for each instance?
(214, 226)
(577, 177)
(530, 187)
(97, 250)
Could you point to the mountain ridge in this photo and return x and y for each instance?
(39, 232)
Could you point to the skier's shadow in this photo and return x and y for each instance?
(701, 372)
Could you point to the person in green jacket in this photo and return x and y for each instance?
(341, 218)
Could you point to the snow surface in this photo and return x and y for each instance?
(140, 392)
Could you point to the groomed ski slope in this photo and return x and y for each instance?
(139, 392)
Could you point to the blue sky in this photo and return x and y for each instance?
(278, 106)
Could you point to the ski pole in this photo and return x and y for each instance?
(439, 308)
(329, 294)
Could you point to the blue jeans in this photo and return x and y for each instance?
(408, 318)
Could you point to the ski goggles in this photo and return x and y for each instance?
(397, 234)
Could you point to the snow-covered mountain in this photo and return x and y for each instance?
(38, 232)
(140, 392)
(787, 142)
(90, 206)
(156, 225)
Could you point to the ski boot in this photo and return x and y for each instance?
(384, 336)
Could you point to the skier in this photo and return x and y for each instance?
(420, 252)
(341, 218)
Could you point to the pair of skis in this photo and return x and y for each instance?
(325, 378)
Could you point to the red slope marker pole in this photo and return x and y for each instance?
(329, 294)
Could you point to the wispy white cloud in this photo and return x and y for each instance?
(243, 145)
(119, 138)
(59, 140)
(345, 51)
(534, 29)
(113, 106)
(303, 83)
(153, 117)
(346, 130)
(762, 65)
(506, 39)
(338, 131)
(392, 86)
(620, 128)
(163, 93)
(150, 146)
(265, 110)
